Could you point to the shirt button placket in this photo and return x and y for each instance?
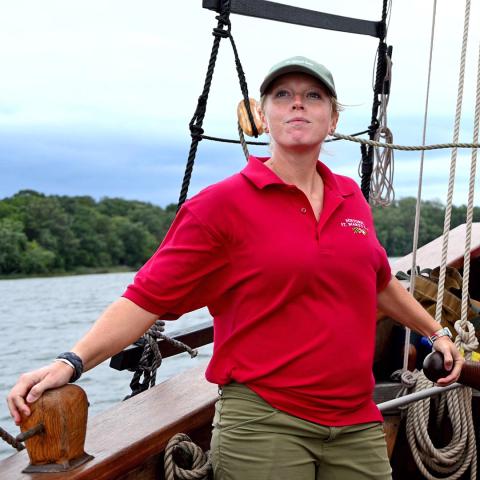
(303, 210)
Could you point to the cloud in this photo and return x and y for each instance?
(97, 94)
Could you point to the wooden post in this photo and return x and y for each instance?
(59, 445)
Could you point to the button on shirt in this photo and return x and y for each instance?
(293, 299)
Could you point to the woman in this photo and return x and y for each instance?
(285, 256)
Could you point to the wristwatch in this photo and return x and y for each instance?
(443, 332)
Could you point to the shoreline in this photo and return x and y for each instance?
(77, 272)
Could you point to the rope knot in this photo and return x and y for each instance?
(407, 378)
(467, 338)
(195, 456)
(220, 32)
(224, 26)
(196, 132)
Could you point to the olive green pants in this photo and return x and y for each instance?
(253, 441)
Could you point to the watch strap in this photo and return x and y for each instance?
(443, 332)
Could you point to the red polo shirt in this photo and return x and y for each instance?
(293, 299)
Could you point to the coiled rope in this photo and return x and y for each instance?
(200, 461)
(381, 182)
(460, 454)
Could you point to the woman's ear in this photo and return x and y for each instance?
(264, 120)
(333, 123)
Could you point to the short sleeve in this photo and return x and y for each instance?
(384, 272)
(381, 263)
(186, 272)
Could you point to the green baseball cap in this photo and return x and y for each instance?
(303, 65)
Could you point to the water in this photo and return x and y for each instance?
(42, 317)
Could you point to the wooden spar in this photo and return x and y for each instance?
(300, 16)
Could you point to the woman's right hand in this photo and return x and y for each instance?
(30, 387)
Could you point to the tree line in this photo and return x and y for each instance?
(42, 234)
(49, 234)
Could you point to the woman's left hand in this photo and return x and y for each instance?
(453, 360)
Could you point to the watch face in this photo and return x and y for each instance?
(446, 331)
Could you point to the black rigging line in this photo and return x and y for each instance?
(300, 16)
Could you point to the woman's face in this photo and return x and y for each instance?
(297, 112)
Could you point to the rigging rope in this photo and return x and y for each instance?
(471, 192)
(380, 86)
(420, 182)
(454, 459)
(223, 30)
(409, 148)
(453, 164)
(243, 143)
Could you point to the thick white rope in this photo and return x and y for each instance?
(453, 164)
(471, 193)
(405, 148)
(454, 459)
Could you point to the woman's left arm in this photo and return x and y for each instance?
(399, 304)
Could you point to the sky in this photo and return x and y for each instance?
(96, 97)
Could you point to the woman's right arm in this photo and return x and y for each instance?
(122, 323)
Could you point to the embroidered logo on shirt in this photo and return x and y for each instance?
(357, 226)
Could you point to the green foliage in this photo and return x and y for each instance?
(41, 234)
(13, 242)
(36, 259)
(395, 224)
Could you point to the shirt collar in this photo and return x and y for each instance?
(262, 176)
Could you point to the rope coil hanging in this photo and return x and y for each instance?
(381, 182)
(380, 87)
(455, 458)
